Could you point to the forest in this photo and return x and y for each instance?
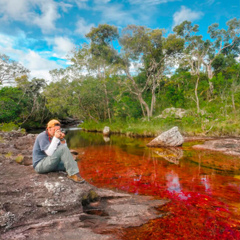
(126, 79)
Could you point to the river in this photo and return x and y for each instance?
(203, 186)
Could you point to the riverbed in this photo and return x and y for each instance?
(203, 186)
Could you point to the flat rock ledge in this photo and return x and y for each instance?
(227, 146)
(50, 206)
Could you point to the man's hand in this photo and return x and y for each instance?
(58, 134)
(62, 135)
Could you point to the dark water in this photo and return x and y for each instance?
(204, 187)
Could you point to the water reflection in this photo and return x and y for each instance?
(170, 154)
(206, 183)
(106, 139)
(173, 184)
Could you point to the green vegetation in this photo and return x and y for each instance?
(188, 126)
(8, 155)
(7, 127)
(19, 158)
(129, 87)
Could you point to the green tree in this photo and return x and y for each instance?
(10, 69)
(9, 107)
(103, 55)
(148, 49)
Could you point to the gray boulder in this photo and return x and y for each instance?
(170, 138)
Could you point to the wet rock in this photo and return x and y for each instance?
(170, 138)
(106, 131)
(227, 146)
(110, 213)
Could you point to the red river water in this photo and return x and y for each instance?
(204, 187)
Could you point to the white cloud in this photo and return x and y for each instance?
(65, 6)
(102, 1)
(46, 20)
(14, 9)
(42, 13)
(37, 62)
(82, 27)
(82, 4)
(151, 2)
(186, 14)
(38, 65)
(210, 2)
(62, 46)
(115, 13)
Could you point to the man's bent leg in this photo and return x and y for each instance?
(51, 163)
(68, 161)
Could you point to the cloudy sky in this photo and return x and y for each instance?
(40, 33)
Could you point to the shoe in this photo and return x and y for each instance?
(76, 178)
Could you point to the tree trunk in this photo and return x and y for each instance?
(106, 95)
(233, 103)
(196, 94)
(144, 104)
(153, 101)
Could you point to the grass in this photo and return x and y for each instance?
(190, 125)
(19, 158)
(8, 127)
(8, 155)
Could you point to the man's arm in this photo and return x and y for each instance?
(53, 146)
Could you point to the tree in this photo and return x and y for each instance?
(226, 42)
(103, 55)
(194, 52)
(152, 52)
(10, 69)
(34, 103)
(9, 107)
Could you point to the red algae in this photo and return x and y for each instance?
(204, 200)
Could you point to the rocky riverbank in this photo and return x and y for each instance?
(50, 206)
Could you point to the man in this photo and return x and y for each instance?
(50, 153)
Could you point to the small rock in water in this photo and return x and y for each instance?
(170, 138)
(106, 131)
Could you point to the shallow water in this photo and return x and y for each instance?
(203, 186)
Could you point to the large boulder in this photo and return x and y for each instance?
(170, 138)
(173, 112)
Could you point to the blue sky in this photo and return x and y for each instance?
(40, 33)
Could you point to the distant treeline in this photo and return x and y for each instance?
(134, 74)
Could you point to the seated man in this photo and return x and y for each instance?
(50, 153)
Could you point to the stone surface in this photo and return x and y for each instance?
(227, 146)
(51, 206)
(170, 138)
(106, 131)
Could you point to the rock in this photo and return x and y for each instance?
(170, 138)
(106, 131)
(227, 146)
(51, 206)
(174, 112)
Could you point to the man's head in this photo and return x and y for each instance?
(52, 126)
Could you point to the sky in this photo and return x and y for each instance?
(40, 34)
